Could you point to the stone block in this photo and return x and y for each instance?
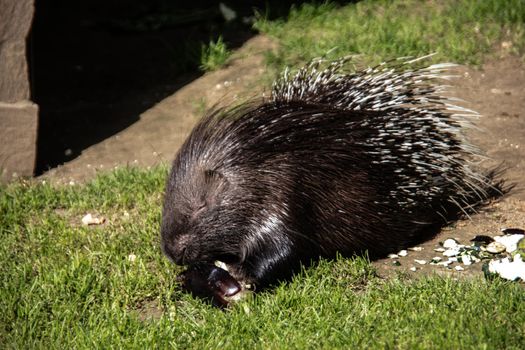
(15, 23)
(18, 136)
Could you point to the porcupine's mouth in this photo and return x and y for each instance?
(226, 262)
(245, 286)
(230, 263)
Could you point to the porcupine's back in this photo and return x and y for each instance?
(337, 162)
(416, 135)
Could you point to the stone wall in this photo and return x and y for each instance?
(18, 115)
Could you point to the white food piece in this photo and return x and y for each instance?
(393, 256)
(132, 257)
(402, 253)
(451, 252)
(509, 241)
(450, 243)
(441, 250)
(89, 219)
(221, 265)
(466, 260)
(420, 262)
(444, 263)
(413, 269)
(416, 249)
(510, 270)
(495, 248)
(459, 268)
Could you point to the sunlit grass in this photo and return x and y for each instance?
(460, 31)
(65, 285)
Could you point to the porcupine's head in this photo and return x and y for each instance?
(234, 192)
(197, 222)
(218, 190)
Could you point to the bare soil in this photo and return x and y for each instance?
(496, 90)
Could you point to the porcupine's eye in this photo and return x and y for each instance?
(199, 210)
(208, 189)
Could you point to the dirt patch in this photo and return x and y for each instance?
(507, 213)
(496, 90)
(149, 311)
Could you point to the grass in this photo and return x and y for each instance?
(460, 31)
(64, 285)
(214, 55)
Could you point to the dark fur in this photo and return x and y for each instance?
(266, 187)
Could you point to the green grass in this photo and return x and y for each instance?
(214, 55)
(461, 31)
(64, 285)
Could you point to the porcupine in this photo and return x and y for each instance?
(331, 163)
